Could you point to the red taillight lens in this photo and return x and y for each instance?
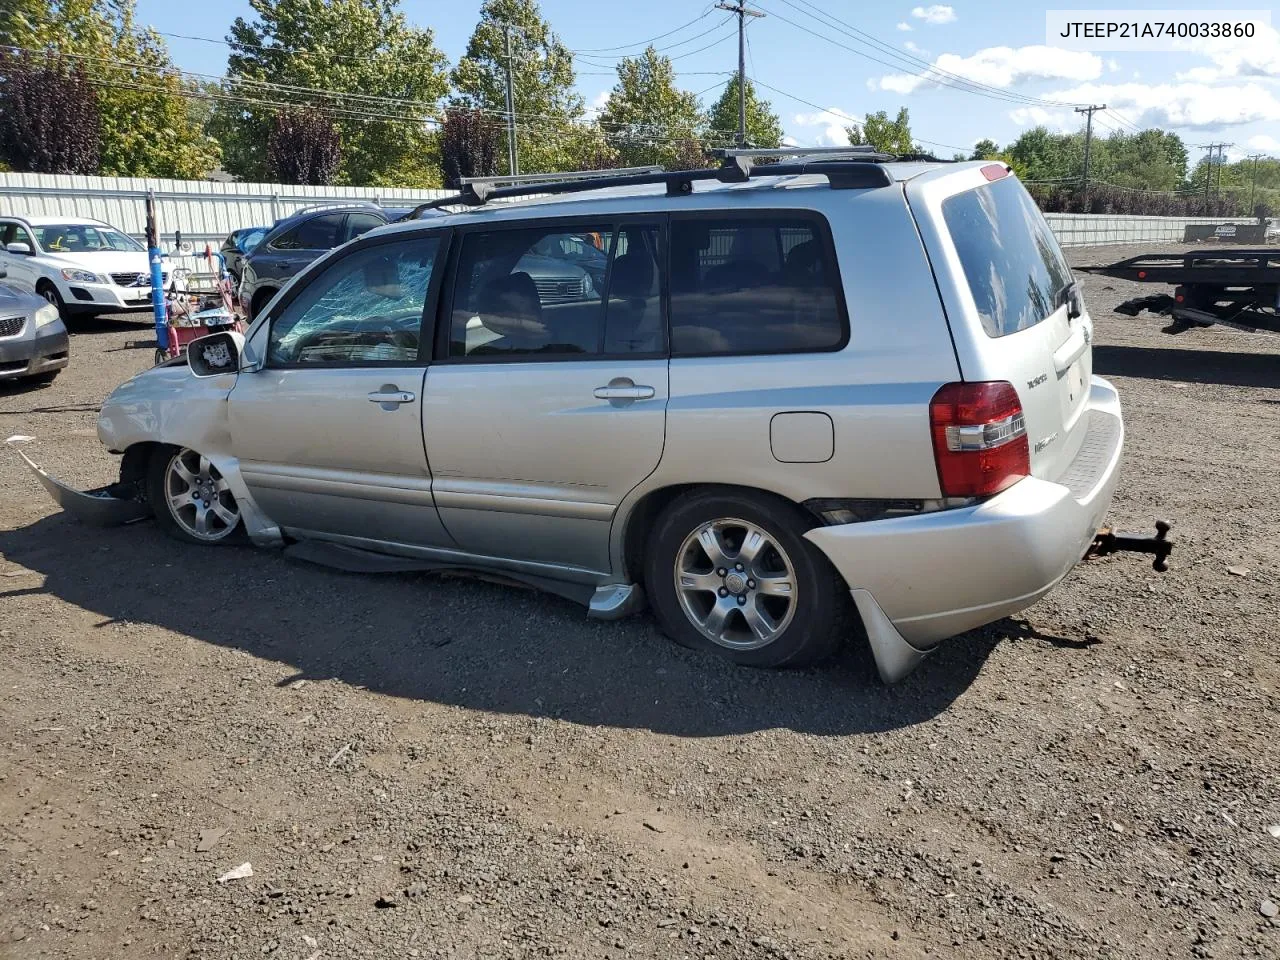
(979, 438)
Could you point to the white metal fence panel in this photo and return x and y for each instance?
(1088, 229)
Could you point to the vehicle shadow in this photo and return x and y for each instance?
(468, 642)
(136, 321)
(1188, 366)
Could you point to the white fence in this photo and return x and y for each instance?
(1088, 229)
(206, 212)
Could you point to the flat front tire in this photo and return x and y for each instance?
(730, 572)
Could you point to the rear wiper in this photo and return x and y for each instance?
(1070, 295)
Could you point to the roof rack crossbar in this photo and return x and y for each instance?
(557, 177)
(852, 150)
(843, 173)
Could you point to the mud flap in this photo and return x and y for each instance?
(109, 506)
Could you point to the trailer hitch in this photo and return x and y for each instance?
(1107, 541)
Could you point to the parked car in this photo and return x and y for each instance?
(831, 399)
(238, 245)
(1272, 234)
(33, 340)
(81, 266)
(294, 242)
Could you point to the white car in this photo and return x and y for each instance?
(82, 266)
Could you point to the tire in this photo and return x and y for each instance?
(50, 293)
(260, 300)
(793, 627)
(165, 487)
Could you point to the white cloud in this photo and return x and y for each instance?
(825, 128)
(915, 48)
(1057, 120)
(1258, 56)
(1186, 105)
(1137, 75)
(935, 14)
(1000, 67)
(1265, 143)
(904, 26)
(1112, 65)
(596, 106)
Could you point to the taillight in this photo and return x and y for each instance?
(979, 438)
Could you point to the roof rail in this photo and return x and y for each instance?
(335, 204)
(556, 177)
(846, 172)
(861, 151)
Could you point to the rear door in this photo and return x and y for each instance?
(1013, 311)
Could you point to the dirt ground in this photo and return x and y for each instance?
(427, 766)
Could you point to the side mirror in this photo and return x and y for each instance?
(216, 354)
(22, 249)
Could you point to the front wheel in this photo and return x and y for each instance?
(191, 499)
(50, 293)
(731, 572)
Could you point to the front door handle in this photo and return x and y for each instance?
(390, 397)
(623, 388)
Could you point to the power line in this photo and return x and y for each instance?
(845, 116)
(932, 72)
(644, 43)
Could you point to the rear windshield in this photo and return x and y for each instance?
(1015, 269)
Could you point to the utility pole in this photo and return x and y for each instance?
(1088, 143)
(1212, 148)
(1217, 187)
(513, 161)
(743, 11)
(1253, 180)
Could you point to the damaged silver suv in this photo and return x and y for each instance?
(773, 396)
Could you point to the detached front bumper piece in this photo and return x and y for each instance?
(109, 506)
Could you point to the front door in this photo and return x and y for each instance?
(547, 405)
(328, 432)
(20, 267)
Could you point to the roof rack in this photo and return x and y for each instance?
(853, 168)
(859, 150)
(334, 204)
(555, 177)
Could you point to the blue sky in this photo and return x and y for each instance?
(1226, 91)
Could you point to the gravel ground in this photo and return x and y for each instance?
(428, 766)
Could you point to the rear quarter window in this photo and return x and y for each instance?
(1011, 259)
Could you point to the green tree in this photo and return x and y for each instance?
(764, 129)
(985, 150)
(646, 118)
(885, 135)
(389, 78)
(1048, 156)
(550, 134)
(146, 128)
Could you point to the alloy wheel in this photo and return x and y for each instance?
(198, 497)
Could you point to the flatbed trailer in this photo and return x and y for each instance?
(1238, 288)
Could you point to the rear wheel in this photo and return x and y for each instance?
(731, 572)
(191, 499)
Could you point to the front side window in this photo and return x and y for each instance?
(753, 285)
(83, 238)
(365, 308)
(1013, 265)
(317, 233)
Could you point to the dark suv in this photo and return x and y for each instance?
(295, 241)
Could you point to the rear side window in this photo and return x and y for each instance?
(358, 223)
(1011, 260)
(318, 233)
(754, 284)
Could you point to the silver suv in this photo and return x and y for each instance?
(786, 406)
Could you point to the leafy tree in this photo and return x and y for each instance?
(468, 145)
(885, 135)
(985, 150)
(389, 76)
(646, 118)
(1048, 156)
(145, 127)
(764, 129)
(48, 116)
(304, 147)
(549, 133)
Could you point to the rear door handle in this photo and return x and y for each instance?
(1070, 351)
(391, 398)
(627, 391)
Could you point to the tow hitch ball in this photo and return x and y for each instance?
(1107, 541)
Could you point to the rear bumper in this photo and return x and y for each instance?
(28, 357)
(920, 579)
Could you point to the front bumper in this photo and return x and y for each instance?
(104, 297)
(918, 580)
(29, 356)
